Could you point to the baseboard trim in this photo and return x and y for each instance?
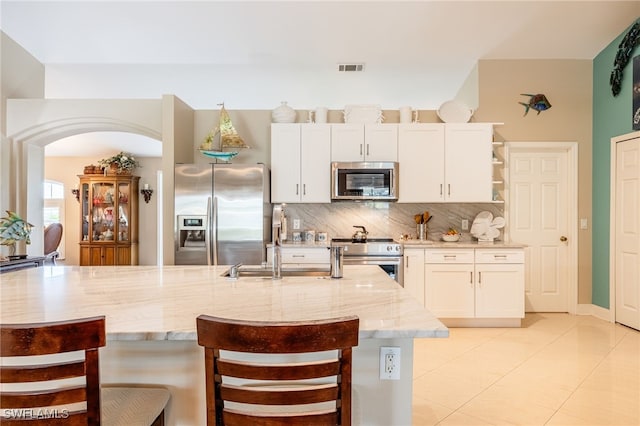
(594, 310)
(481, 322)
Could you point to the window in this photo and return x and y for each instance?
(54, 208)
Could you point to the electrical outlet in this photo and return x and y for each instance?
(296, 223)
(389, 363)
(465, 224)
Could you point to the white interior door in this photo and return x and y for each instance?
(539, 218)
(627, 233)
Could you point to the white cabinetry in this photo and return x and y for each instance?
(445, 162)
(299, 255)
(364, 142)
(300, 163)
(414, 272)
(448, 279)
(421, 158)
(467, 286)
(499, 283)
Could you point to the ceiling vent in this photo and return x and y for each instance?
(350, 67)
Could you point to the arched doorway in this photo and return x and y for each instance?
(66, 158)
(28, 153)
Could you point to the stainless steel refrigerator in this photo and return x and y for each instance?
(222, 214)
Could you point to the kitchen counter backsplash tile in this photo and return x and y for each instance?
(384, 219)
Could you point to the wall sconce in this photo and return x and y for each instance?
(147, 193)
(76, 192)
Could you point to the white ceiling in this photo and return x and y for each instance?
(441, 40)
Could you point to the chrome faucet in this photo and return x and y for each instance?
(234, 271)
(276, 229)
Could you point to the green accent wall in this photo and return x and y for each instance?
(612, 116)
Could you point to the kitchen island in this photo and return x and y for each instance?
(151, 316)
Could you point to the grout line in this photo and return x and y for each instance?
(587, 376)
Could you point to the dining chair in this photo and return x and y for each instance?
(256, 375)
(50, 376)
(52, 238)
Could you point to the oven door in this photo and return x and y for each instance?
(392, 265)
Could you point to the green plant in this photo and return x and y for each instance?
(124, 162)
(13, 229)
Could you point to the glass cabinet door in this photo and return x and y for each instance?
(103, 212)
(124, 210)
(86, 216)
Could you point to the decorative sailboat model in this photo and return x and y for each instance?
(213, 146)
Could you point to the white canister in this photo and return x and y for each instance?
(310, 236)
(405, 114)
(321, 114)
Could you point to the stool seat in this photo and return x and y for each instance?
(55, 366)
(125, 406)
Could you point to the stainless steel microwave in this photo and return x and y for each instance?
(364, 181)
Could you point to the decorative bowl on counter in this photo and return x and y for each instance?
(451, 238)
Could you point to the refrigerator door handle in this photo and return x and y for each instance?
(214, 231)
(207, 232)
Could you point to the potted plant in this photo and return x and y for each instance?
(121, 163)
(12, 230)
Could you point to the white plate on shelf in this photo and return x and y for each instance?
(363, 114)
(454, 112)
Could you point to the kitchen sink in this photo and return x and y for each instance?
(286, 271)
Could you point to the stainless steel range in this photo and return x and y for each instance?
(383, 252)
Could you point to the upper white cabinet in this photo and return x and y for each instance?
(421, 157)
(445, 162)
(364, 142)
(300, 163)
(468, 162)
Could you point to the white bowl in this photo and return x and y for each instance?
(451, 238)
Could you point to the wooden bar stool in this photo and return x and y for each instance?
(304, 392)
(49, 384)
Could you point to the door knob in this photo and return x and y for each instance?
(563, 238)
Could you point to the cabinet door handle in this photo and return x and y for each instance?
(297, 188)
(448, 189)
(298, 255)
(304, 189)
(367, 150)
(408, 263)
(360, 149)
(449, 257)
(479, 279)
(471, 279)
(441, 190)
(500, 256)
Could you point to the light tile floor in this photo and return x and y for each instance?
(557, 369)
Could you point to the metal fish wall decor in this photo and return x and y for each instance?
(537, 102)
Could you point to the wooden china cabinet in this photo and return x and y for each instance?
(108, 220)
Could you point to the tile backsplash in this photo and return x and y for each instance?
(384, 219)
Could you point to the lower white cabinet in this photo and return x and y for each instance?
(414, 272)
(468, 283)
(298, 255)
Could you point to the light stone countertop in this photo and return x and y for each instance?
(458, 244)
(162, 303)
